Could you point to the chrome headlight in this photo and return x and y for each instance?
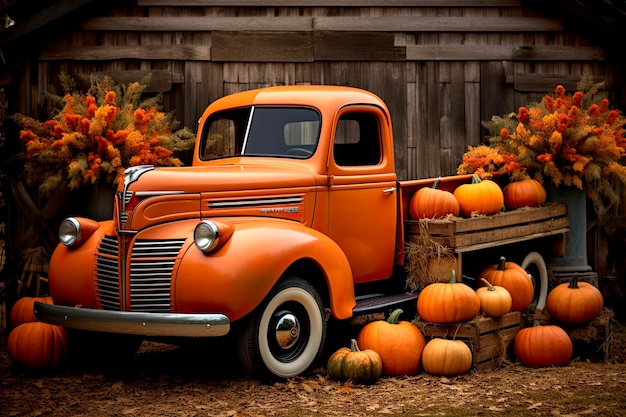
(70, 232)
(206, 236)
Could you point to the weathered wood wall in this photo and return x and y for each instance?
(443, 66)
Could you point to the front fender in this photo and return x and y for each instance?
(71, 271)
(235, 279)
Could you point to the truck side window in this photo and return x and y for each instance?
(357, 140)
(222, 134)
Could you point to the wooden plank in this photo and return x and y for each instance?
(113, 52)
(200, 24)
(326, 23)
(261, 47)
(465, 235)
(333, 3)
(499, 220)
(437, 24)
(356, 46)
(503, 53)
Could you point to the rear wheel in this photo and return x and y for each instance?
(536, 267)
(285, 336)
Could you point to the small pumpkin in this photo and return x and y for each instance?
(480, 197)
(399, 344)
(23, 311)
(574, 302)
(524, 193)
(358, 366)
(495, 301)
(450, 302)
(446, 357)
(514, 278)
(540, 346)
(37, 345)
(433, 203)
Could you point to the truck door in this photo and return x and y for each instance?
(362, 192)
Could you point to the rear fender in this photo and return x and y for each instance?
(236, 278)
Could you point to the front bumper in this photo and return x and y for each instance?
(134, 323)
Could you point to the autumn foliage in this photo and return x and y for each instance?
(95, 136)
(566, 139)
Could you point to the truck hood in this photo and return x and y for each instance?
(225, 177)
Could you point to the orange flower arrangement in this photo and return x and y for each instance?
(565, 139)
(95, 136)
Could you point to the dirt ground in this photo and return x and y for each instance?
(206, 380)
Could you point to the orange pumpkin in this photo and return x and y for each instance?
(37, 345)
(450, 302)
(574, 302)
(446, 357)
(23, 310)
(358, 366)
(480, 197)
(514, 278)
(541, 346)
(433, 203)
(399, 344)
(495, 301)
(524, 193)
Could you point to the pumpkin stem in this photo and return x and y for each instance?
(573, 284)
(536, 323)
(476, 179)
(502, 264)
(436, 183)
(395, 314)
(354, 346)
(489, 286)
(452, 277)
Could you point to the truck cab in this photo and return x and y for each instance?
(289, 216)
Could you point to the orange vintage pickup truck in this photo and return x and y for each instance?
(291, 215)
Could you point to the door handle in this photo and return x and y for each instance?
(389, 190)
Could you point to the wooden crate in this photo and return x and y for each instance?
(490, 339)
(464, 234)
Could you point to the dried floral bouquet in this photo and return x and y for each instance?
(95, 136)
(568, 140)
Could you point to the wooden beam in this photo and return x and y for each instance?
(261, 47)
(437, 24)
(332, 3)
(112, 52)
(333, 23)
(357, 46)
(200, 24)
(503, 53)
(44, 17)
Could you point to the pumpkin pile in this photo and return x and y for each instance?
(451, 302)
(32, 344)
(514, 279)
(479, 197)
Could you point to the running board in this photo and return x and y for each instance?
(378, 302)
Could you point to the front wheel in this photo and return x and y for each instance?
(285, 336)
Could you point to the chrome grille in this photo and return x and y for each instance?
(151, 266)
(107, 273)
(150, 278)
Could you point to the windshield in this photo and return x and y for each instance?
(261, 131)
